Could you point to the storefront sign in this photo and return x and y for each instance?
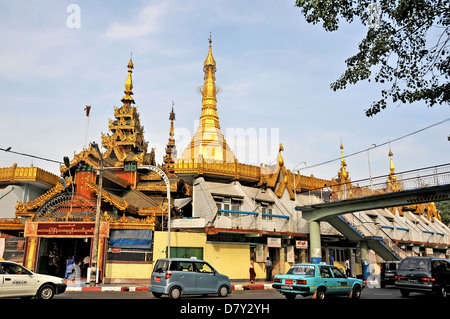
(273, 242)
(64, 229)
(301, 244)
(429, 251)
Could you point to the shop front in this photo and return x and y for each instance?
(49, 245)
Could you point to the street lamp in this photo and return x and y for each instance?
(94, 262)
(166, 180)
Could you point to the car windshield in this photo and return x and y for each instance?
(414, 264)
(301, 270)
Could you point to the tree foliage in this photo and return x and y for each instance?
(444, 207)
(408, 49)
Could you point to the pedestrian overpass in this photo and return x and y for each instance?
(418, 186)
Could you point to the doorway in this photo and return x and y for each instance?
(54, 252)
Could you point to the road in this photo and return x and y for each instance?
(367, 294)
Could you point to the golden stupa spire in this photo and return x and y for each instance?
(343, 174)
(209, 92)
(392, 162)
(208, 143)
(129, 84)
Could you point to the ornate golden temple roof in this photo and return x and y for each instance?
(126, 139)
(208, 143)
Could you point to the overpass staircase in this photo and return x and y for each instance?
(385, 246)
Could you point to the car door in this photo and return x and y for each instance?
(17, 281)
(183, 275)
(328, 279)
(206, 278)
(341, 282)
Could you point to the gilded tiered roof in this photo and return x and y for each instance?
(126, 139)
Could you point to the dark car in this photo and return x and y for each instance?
(425, 275)
(388, 272)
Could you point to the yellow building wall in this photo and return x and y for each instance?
(128, 272)
(232, 260)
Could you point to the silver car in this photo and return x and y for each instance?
(177, 276)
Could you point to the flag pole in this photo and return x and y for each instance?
(88, 110)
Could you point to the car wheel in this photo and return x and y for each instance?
(290, 296)
(404, 293)
(442, 293)
(175, 293)
(320, 293)
(157, 294)
(223, 291)
(356, 292)
(46, 292)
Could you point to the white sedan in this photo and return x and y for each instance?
(17, 281)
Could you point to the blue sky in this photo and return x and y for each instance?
(274, 71)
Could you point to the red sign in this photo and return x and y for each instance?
(64, 229)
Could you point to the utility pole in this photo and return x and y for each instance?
(94, 257)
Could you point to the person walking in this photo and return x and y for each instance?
(348, 272)
(252, 270)
(268, 269)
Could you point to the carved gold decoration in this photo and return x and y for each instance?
(24, 209)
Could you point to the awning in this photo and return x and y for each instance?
(181, 202)
(131, 238)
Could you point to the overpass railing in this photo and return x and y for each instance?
(394, 182)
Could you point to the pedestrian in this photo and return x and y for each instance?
(348, 272)
(70, 268)
(252, 270)
(268, 269)
(85, 266)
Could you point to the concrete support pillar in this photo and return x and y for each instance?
(314, 241)
(364, 248)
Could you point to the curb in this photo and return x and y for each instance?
(78, 289)
(132, 289)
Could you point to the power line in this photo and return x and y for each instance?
(378, 145)
(8, 150)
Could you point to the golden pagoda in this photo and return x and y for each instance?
(125, 143)
(208, 143)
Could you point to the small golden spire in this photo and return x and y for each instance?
(392, 162)
(129, 84)
(343, 173)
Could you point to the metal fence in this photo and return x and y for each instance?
(408, 180)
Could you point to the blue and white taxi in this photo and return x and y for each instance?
(17, 281)
(317, 280)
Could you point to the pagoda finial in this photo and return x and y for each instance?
(392, 162)
(343, 174)
(129, 83)
(171, 151)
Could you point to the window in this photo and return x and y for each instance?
(268, 211)
(202, 267)
(186, 252)
(13, 269)
(325, 272)
(338, 273)
(227, 203)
